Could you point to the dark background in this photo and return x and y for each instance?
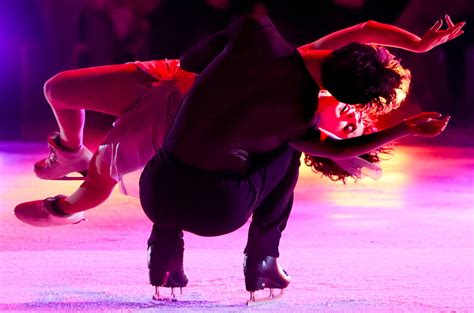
(39, 38)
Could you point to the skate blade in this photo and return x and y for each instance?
(172, 298)
(265, 300)
(164, 299)
(83, 220)
(69, 177)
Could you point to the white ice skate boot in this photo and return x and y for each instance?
(42, 213)
(62, 161)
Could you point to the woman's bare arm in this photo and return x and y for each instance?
(372, 32)
(347, 148)
(428, 124)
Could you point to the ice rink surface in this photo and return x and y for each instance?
(404, 243)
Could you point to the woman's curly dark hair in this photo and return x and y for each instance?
(367, 75)
(333, 171)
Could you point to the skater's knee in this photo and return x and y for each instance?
(52, 88)
(57, 89)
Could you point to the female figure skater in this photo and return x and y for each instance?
(243, 169)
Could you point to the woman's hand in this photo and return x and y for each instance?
(427, 124)
(436, 36)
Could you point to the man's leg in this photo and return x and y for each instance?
(165, 244)
(166, 269)
(261, 268)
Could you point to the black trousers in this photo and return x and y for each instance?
(177, 197)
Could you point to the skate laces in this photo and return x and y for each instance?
(52, 159)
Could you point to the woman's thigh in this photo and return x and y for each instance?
(112, 89)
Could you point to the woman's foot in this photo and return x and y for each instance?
(62, 161)
(45, 213)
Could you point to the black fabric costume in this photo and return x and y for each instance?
(247, 70)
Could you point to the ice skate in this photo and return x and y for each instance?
(174, 279)
(42, 213)
(165, 264)
(62, 161)
(172, 297)
(264, 273)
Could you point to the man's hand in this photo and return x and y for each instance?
(436, 36)
(427, 124)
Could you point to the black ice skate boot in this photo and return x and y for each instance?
(264, 273)
(165, 263)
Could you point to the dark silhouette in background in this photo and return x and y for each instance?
(178, 24)
(40, 38)
(20, 32)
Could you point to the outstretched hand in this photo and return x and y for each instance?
(436, 36)
(427, 124)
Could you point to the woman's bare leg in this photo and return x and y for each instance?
(110, 89)
(96, 188)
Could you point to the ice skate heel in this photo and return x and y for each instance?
(62, 161)
(166, 270)
(264, 273)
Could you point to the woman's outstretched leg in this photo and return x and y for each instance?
(110, 89)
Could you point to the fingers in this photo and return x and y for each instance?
(457, 28)
(445, 120)
(448, 20)
(440, 122)
(452, 31)
(436, 26)
(428, 124)
(440, 125)
(433, 127)
(424, 117)
(430, 115)
(456, 35)
(450, 23)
